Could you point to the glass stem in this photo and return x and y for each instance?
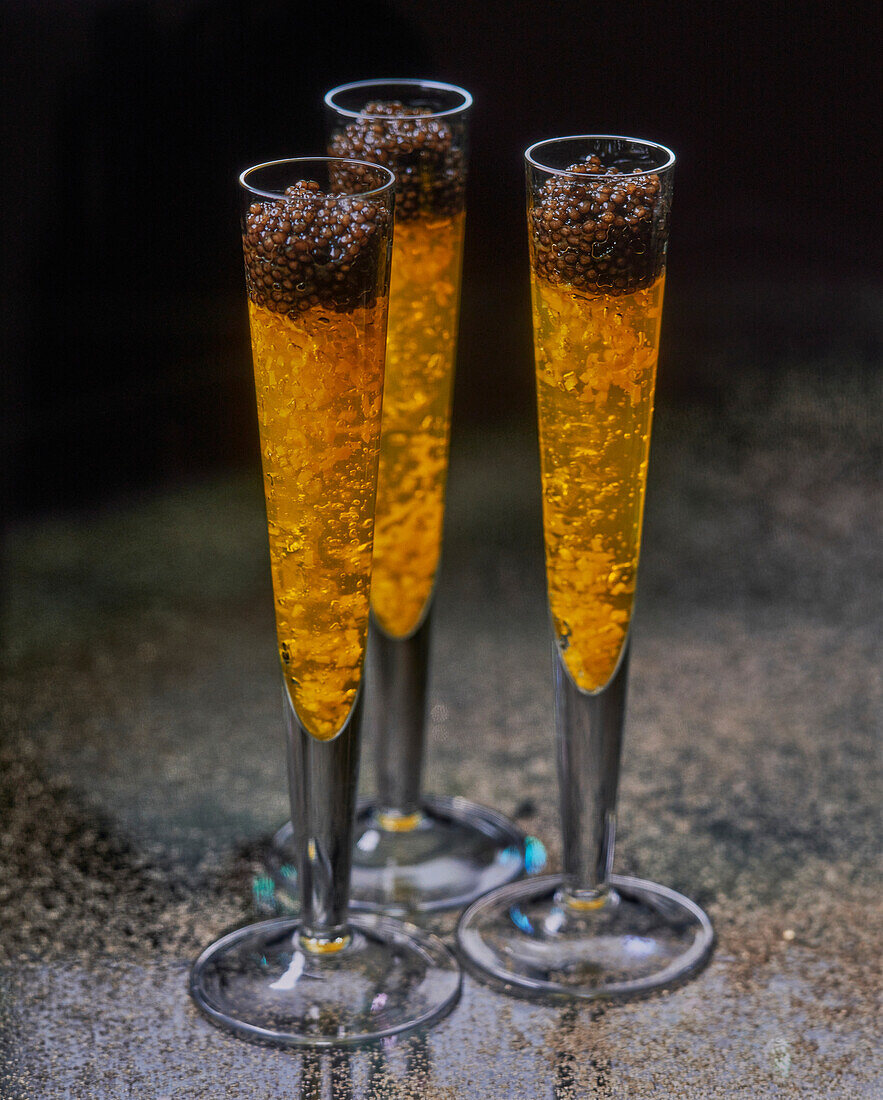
(398, 678)
(589, 736)
(322, 779)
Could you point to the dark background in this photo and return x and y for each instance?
(126, 123)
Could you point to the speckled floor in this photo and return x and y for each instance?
(141, 766)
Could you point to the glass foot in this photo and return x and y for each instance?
(259, 983)
(448, 854)
(527, 939)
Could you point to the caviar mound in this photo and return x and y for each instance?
(316, 249)
(420, 148)
(599, 230)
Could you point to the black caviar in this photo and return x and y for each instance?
(421, 149)
(603, 233)
(315, 249)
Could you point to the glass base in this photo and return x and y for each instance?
(530, 940)
(259, 983)
(444, 857)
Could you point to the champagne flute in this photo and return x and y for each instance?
(415, 852)
(598, 217)
(317, 241)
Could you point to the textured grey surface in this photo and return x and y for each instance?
(141, 766)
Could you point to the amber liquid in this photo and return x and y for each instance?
(421, 345)
(319, 381)
(596, 370)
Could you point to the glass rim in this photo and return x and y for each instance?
(530, 155)
(389, 184)
(434, 85)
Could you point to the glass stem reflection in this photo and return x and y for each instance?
(589, 738)
(398, 673)
(322, 779)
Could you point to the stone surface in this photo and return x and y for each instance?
(141, 765)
